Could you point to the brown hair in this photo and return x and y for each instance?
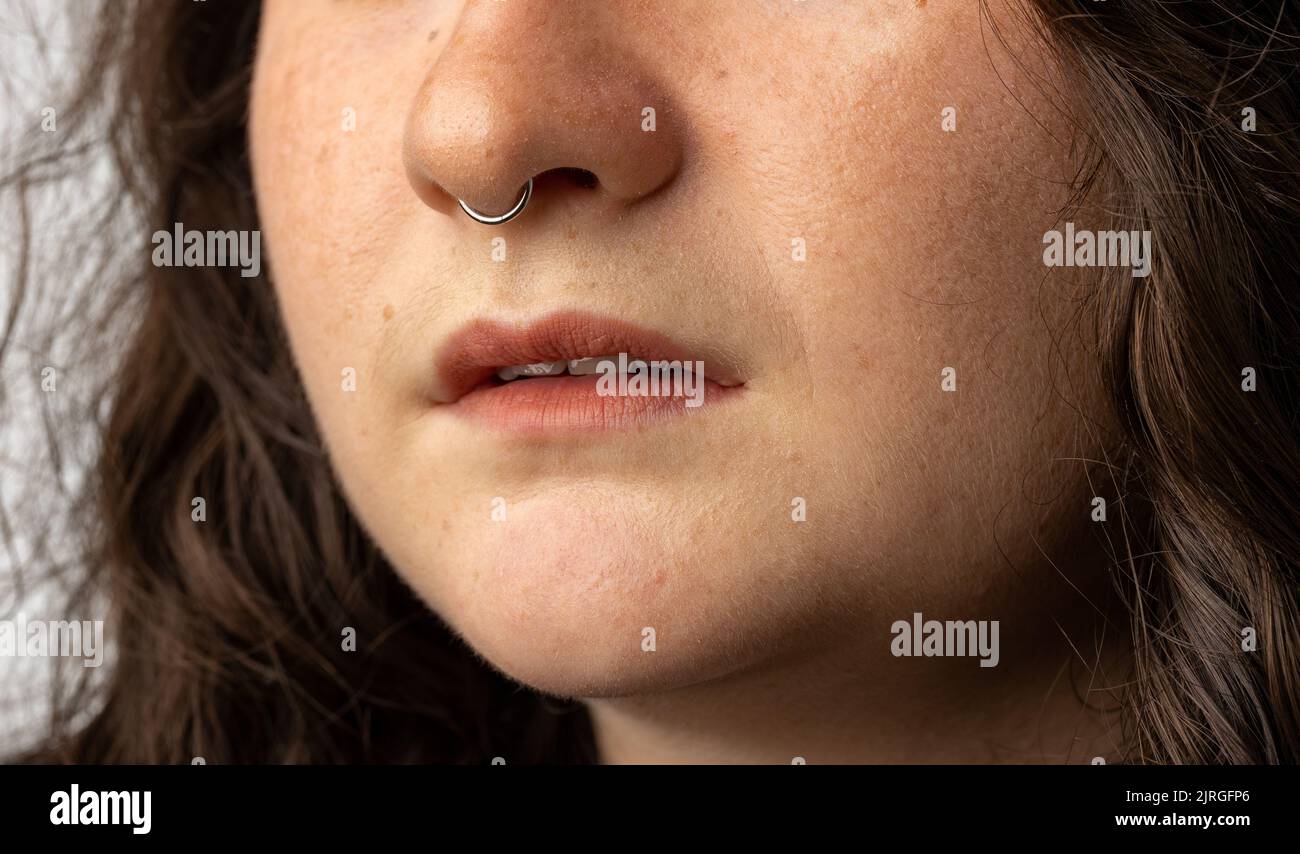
(1169, 92)
(228, 633)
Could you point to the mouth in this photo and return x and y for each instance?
(575, 372)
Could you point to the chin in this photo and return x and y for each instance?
(562, 595)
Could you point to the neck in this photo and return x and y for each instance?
(848, 703)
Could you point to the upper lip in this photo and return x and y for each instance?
(473, 354)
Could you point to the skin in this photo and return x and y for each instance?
(775, 120)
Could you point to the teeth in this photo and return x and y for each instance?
(541, 369)
(538, 369)
(576, 367)
(582, 367)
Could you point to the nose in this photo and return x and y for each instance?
(541, 90)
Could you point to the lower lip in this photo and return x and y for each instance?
(569, 404)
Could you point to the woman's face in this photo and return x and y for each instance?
(797, 218)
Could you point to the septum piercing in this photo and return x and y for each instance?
(505, 217)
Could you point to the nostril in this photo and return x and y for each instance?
(569, 176)
(584, 178)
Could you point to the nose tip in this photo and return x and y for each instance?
(502, 106)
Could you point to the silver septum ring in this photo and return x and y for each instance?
(505, 217)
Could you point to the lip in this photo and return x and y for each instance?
(465, 370)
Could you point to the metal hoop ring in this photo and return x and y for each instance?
(505, 217)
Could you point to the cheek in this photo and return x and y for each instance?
(331, 198)
(923, 263)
